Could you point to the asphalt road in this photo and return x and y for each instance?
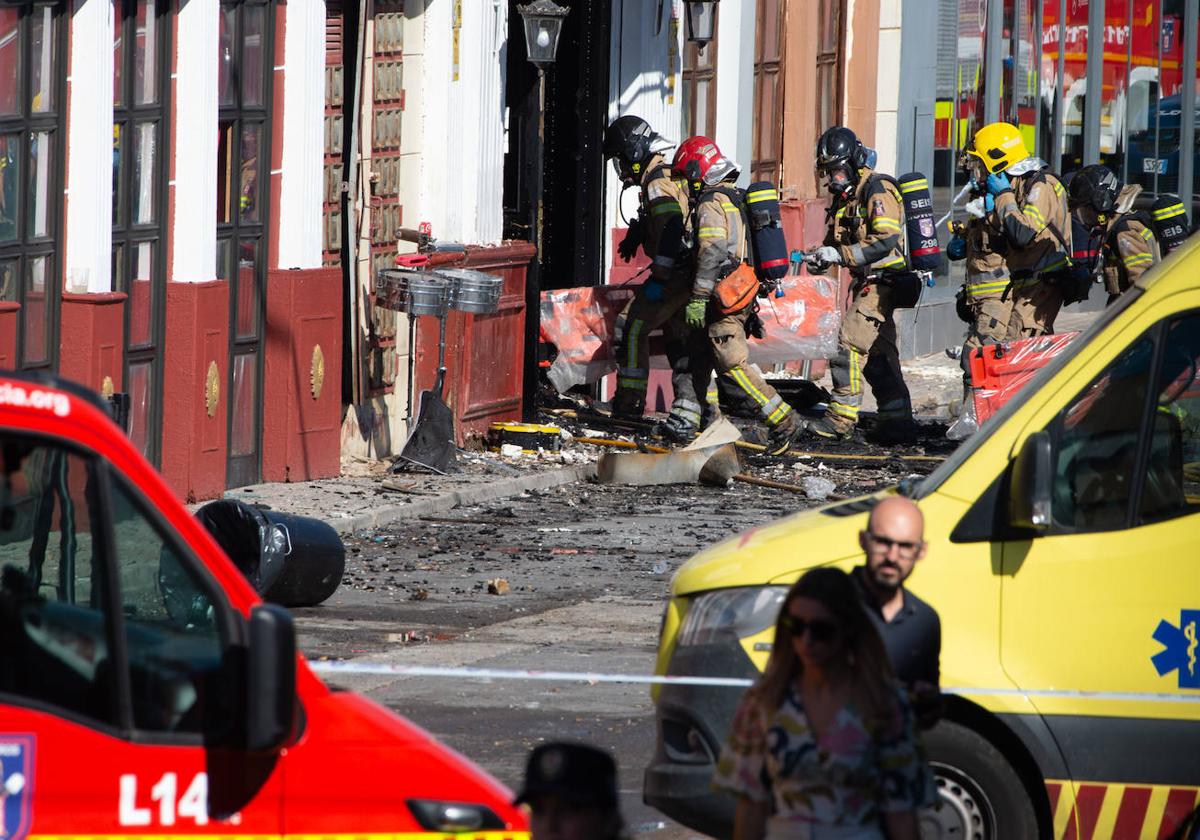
(587, 569)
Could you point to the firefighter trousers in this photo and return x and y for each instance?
(1035, 305)
(640, 318)
(989, 325)
(730, 357)
(868, 331)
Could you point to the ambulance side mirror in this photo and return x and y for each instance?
(1031, 484)
(270, 678)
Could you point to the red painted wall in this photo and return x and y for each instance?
(195, 444)
(302, 432)
(92, 342)
(484, 353)
(8, 334)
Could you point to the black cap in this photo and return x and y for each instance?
(576, 773)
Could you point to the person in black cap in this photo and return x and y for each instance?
(571, 791)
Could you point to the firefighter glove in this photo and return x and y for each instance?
(827, 254)
(997, 183)
(634, 237)
(655, 291)
(694, 313)
(989, 202)
(957, 249)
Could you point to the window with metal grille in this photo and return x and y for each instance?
(32, 62)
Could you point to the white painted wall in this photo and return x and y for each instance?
(645, 81)
(735, 84)
(887, 89)
(89, 150)
(195, 132)
(461, 139)
(301, 188)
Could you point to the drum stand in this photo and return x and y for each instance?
(431, 443)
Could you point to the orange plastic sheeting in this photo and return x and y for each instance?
(998, 371)
(582, 324)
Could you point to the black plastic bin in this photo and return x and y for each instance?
(296, 561)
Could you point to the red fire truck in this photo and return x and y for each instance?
(146, 691)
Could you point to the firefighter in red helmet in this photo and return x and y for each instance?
(724, 286)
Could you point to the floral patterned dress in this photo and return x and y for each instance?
(837, 785)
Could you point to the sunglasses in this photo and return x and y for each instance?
(818, 629)
(907, 549)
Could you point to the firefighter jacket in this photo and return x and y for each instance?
(869, 228)
(987, 268)
(664, 205)
(721, 238)
(1036, 224)
(1129, 248)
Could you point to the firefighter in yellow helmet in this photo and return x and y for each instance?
(1031, 206)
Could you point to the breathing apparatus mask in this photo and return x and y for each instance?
(839, 180)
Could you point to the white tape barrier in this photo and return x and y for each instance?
(325, 667)
(328, 667)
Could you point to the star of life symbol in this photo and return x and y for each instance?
(1181, 648)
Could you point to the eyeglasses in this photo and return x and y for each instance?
(885, 544)
(818, 629)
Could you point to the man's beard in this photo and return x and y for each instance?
(886, 584)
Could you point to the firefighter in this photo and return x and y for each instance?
(1031, 206)
(865, 234)
(662, 229)
(1125, 239)
(722, 257)
(984, 298)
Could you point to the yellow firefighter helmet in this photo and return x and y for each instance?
(999, 145)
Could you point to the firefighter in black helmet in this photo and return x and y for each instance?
(1125, 239)
(865, 234)
(662, 228)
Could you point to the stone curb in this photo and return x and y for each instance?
(486, 492)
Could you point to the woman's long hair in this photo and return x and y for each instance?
(870, 670)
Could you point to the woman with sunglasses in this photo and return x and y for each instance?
(824, 746)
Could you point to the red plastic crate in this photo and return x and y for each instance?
(1000, 370)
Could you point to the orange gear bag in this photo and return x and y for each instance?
(736, 290)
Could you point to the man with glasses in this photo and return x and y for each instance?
(911, 630)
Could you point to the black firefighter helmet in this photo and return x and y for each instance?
(628, 141)
(1094, 186)
(840, 148)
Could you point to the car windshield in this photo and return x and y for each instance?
(930, 484)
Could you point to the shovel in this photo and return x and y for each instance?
(431, 443)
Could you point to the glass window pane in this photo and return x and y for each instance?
(118, 267)
(227, 69)
(1050, 39)
(10, 60)
(145, 55)
(41, 60)
(140, 387)
(248, 189)
(241, 432)
(117, 186)
(141, 293)
(247, 289)
(1075, 47)
(8, 279)
(1114, 102)
(41, 167)
(173, 643)
(701, 125)
(225, 167)
(1096, 444)
(1173, 472)
(10, 186)
(253, 50)
(142, 188)
(35, 310)
(118, 56)
(59, 651)
(222, 259)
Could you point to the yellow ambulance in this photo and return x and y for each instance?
(1064, 561)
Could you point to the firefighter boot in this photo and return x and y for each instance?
(677, 429)
(784, 433)
(628, 404)
(823, 429)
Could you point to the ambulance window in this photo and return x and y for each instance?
(174, 647)
(54, 642)
(1171, 486)
(1096, 445)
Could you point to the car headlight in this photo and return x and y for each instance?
(450, 817)
(731, 614)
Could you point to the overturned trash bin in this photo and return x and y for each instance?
(296, 561)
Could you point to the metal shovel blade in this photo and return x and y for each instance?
(431, 444)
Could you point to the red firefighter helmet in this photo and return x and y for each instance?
(699, 160)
